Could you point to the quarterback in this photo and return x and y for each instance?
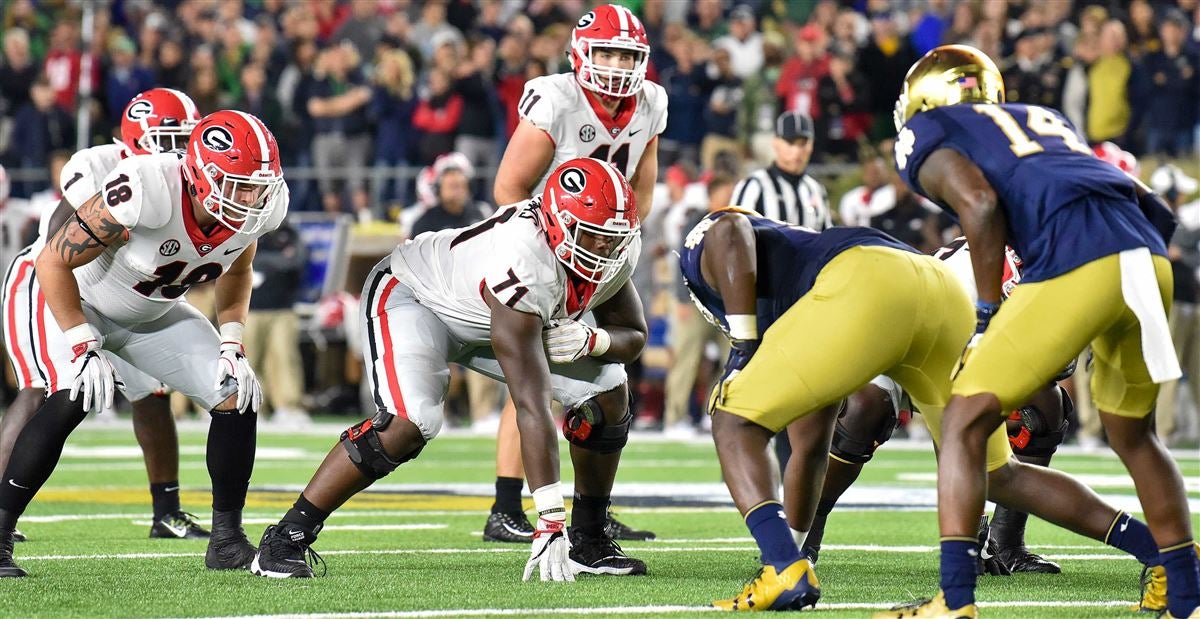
(114, 277)
(157, 120)
(604, 109)
(1095, 272)
(505, 297)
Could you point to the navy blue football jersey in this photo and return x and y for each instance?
(788, 259)
(1064, 206)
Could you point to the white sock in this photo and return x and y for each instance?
(800, 537)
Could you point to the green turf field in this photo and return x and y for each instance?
(412, 549)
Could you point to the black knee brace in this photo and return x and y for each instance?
(857, 435)
(1037, 433)
(366, 451)
(584, 426)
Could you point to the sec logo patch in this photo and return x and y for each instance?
(169, 248)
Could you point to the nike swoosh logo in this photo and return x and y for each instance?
(230, 251)
(632, 133)
(178, 531)
(16, 485)
(514, 531)
(1124, 525)
(983, 552)
(171, 489)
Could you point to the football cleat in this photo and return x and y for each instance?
(619, 530)
(989, 560)
(1019, 559)
(178, 525)
(1154, 588)
(18, 536)
(929, 609)
(510, 527)
(284, 553)
(8, 567)
(228, 548)
(601, 555)
(795, 588)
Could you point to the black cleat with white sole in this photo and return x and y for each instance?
(510, 527)
(18, 536)
(228, 548)
(592, 554)
(8, 567)
(285, 552)
(178, 525)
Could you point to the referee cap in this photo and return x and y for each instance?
(793, 125)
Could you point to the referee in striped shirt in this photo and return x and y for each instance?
(783, 191)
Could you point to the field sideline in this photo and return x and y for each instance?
(411, 547)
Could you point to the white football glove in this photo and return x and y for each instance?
(551, 549)
(571, 340)
(96, 380)
(233, 364)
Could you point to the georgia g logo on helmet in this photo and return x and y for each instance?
(139, 110)
(586, 20)
(217, 139)
(573, 180)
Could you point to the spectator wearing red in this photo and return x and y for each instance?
(330, 15)
(63, 64)
(797, 85)
(437, 116)
(844, 95)
(510, 79)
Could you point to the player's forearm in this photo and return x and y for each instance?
(984, 226)
(510, 191)
(626, 344)
(539, 440)
(233, 296)
(61, 290)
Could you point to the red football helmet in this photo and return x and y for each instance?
(609, 26)
(158, 120)
(1107, 151)
(589, 197)
(232, 165)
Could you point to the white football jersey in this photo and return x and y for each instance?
(557, 105)
(166, 252)
(509, 255)
(957, 256)
(80, 179)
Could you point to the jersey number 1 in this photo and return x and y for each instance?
(1040, 121)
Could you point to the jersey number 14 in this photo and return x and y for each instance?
(1040, 121)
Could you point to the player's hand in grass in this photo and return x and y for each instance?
(550, 549)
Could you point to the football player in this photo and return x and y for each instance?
(833, 278)
(604, 109)
(871, 414)
(157, 120)
(504, 297)
(114, 277)
(1092, 239)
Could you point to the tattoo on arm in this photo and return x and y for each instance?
(90, 231)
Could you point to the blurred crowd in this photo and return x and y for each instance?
(362, 93)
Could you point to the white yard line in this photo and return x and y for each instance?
(633, 547)
(639, 610)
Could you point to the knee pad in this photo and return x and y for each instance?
(584, 426)
(847, 445)
(1032, 432)
(365, 450)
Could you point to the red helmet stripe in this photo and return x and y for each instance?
(260, 134)
(618, 187)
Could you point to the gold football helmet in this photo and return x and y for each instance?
(948, 75)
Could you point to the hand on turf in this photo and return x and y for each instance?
(550, 550)
(233, 364)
